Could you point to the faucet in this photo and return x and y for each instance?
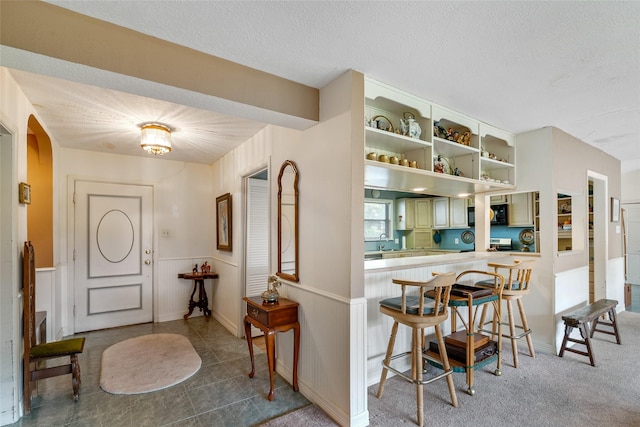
(380, 245)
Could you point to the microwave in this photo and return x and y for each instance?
(500, 215)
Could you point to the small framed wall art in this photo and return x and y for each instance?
(615, 209)
(24, 193)
(223, 221)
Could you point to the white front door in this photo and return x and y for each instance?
(113, 254)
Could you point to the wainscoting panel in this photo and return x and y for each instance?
(171, 296)
(327, 353)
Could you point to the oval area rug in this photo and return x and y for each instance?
(147, 363)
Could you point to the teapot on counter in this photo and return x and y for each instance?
(410, 126)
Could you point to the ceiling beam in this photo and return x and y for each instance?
(59, 33)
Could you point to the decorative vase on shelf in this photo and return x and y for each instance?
(410, 126)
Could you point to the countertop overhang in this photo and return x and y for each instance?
(448, 258)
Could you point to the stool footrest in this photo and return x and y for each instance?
(517, 337)
(407, 377)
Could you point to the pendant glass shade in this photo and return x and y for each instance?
(156, 138)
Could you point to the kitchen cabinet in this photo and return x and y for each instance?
(458, 213)
(521, 210)
(449, 213)
(405, 214)
(423, 214)
(440, 212)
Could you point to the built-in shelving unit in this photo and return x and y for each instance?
(565, 242)
(452, 154)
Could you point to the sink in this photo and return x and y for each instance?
(368, 257)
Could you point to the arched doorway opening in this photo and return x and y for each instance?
(40, 178)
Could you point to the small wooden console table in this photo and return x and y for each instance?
(273, 318)
(198, 284)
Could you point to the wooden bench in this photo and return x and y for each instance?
(581, 318)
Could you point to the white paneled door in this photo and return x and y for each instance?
(113, 255)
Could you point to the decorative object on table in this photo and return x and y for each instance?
(223, 221)
(206, 268)
(271, 295)
(24, 193)
(410, 126)
(615, 209)
(437, 238)
(468, 237)
(195, 269)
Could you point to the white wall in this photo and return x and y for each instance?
(552, 161)
(332, 316)
(183, 207)
(14, 113)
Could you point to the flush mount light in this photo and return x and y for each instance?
(417, 189)
(156, 138)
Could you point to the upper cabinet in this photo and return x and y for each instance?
(413, 144)
(521, 210)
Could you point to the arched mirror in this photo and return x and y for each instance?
(288, 222)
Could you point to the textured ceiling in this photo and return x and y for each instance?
(516, 65)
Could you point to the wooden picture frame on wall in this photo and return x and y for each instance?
(615, 209)
(24, 193)
(223, 221)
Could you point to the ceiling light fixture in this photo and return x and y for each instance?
(156, 138)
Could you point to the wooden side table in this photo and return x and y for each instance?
(198, 284)
(273, 318)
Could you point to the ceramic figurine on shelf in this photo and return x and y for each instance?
(464, 139)
(438, 165)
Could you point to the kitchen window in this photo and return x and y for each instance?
(377, 219)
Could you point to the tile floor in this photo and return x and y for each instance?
(219, 394)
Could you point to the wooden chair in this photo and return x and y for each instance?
(35, 354)
(418, 313)
(516, 285)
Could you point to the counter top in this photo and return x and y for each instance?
(446, 258)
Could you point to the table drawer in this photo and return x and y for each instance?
(270, 317)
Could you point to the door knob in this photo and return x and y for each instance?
(147, 261)
(148, 251)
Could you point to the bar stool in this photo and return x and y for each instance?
(418, 313)
(516, 285)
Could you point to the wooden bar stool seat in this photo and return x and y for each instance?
(418, 313)
(516, 285)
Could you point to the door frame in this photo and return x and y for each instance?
(68, 302)
(11, 221)
(600, 232)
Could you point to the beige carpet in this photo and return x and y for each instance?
(148, 363)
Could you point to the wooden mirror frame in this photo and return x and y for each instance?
(286, 274)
